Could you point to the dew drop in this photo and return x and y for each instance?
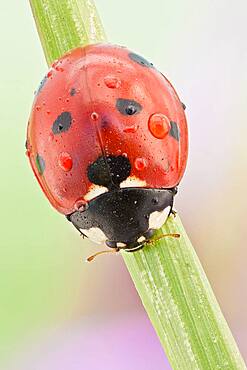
(112, 82)
(94, 116)
(54, 64)
(65, 161)
(140, 163)
(80, 205)
(28, 153)
(59, 69)
(159, 125)
(51, 137)
(130, 129)
(49, 74)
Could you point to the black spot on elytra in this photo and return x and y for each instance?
(140, 60)
(62, 123)
(128, 107)
(183, 105)
(40, 164)
(174, 131)
(72, 91)
(41, 85)
(109, 171)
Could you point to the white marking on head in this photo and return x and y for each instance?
(95, 191)
(121, 245)
(95, 234)
(141, 239)
(157, 219)
(133, 182)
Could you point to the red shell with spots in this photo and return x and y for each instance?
(104, 100)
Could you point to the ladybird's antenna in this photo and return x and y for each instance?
(91, 258)
(116, 250)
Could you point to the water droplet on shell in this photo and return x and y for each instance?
(159, 125)
(94, 116)
(112, 82)
(140, 163)
(65, 161)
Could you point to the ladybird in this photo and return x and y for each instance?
(107, 141)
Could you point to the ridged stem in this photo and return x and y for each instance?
(180, 303)
(65, 24)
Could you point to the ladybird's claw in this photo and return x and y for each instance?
(174, 213)
(82, 234)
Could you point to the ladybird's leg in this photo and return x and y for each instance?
(77, 228)
(174, 190)
(81, 233)
(172, 211)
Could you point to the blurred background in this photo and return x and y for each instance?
(57, 312)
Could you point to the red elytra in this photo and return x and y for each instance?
(95, 98)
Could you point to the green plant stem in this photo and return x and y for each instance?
(180, 303)
(65, 24)
(167, 274)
